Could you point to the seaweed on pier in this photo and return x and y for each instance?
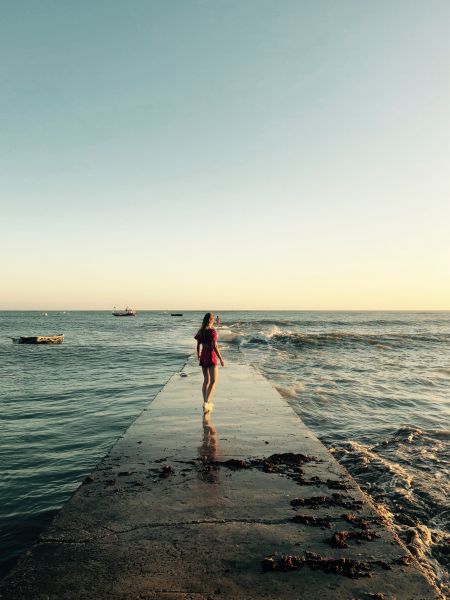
(290, 458)
(340, 539)
(333, 484)
(347, 567)
(313, 521)
(285, 563)
(336, 499)
(356, 521)
(287, 463)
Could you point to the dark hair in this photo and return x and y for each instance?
(205, 322)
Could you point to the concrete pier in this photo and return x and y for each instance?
(245, 503)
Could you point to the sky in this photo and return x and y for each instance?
(225, 154)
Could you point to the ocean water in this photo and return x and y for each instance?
(375, 388)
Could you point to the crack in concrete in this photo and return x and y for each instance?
(113, 532)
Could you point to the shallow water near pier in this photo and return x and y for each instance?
(375, 388)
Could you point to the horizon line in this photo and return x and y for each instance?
(168, 310)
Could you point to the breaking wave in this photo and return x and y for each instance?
(279, 338)
(349, 338)
(407, 476)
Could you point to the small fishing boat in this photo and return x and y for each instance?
(128, 312)
(39, 339)
(176, 314)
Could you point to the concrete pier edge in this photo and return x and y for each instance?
(243, 503)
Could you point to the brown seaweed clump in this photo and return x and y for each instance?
(286, 463)
(356, 521)
(346, 567)
(290, 458)
(340, 539)
(336, 499)
(268, 564)
(284, 563)
(314, 521)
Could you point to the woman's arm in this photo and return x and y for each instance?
(217, 351)
(199, 350)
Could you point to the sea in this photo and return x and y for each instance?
(373, 386)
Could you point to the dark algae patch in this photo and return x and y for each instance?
(356, 521)
(341, 539)
(332, 484)
(314, 521)
(290, 459)
(285, 563)
(346, 567)
(286, 463)
(336, 499)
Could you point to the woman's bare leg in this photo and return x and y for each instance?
(205, 383)
(213, 371)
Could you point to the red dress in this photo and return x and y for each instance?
(206, 338)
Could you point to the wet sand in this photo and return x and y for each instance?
(243, 503)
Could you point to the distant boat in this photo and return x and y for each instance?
(128, 312)
(176, 314)
(44, 314)
(39, 339)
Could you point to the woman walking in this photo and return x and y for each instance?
(207, 353)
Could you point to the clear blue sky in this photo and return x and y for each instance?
(225, 154)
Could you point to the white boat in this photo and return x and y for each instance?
(128, 312)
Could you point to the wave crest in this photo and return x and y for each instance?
(384, 341)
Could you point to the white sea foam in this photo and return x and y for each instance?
(290, 391)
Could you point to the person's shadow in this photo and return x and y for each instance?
(209, 452)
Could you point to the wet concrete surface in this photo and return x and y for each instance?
(244, 502)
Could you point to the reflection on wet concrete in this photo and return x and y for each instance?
(208, 452)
